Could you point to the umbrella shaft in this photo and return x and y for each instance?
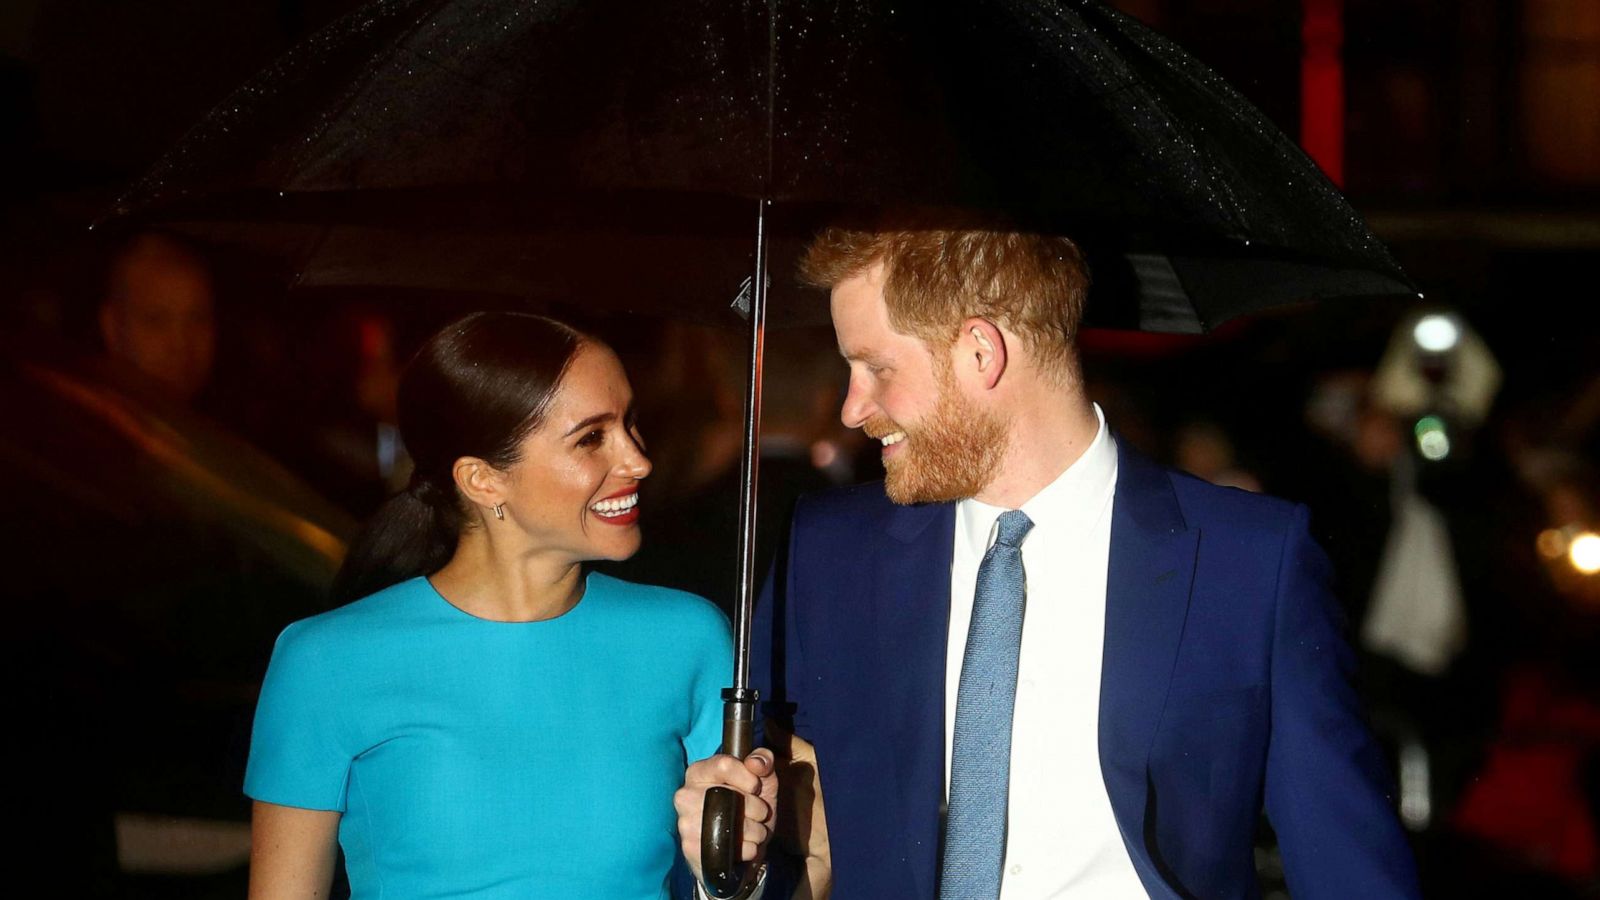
(750, 469)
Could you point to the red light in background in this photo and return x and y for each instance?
(1322, 85)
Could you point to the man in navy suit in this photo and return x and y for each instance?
(1177, 665)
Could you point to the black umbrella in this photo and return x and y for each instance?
(620, 153)
(531, 148)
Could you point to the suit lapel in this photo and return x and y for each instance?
(1147, 600)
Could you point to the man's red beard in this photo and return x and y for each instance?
(952, 454)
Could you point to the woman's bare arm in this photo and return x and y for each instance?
(292, 852)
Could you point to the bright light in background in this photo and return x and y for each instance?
(1435, 445)
(1436, 333)
(1432, 441)
(1584, 553)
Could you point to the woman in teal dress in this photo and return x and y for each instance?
(489, 720)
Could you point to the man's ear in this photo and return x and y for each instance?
(981, 350)
(482, 484)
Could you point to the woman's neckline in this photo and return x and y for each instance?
(588, 583)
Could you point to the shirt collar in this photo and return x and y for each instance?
(1068, 502)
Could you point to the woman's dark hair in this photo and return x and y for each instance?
(477, 388)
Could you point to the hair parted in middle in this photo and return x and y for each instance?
(943, 268)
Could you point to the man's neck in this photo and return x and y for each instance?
(1046, 437)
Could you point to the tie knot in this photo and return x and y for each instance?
(1014, 526)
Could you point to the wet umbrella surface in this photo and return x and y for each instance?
(601, 149)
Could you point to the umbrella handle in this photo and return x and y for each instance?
(722, 820)
(721, 830)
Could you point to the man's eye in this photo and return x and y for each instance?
(592, 439)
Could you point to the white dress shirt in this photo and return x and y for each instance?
(1061, 837)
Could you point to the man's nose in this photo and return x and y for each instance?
(858, 406)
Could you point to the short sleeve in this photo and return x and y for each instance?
(297, 755)
(713, 671)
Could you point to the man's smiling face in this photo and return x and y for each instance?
(938, 443)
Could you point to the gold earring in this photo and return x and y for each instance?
(500, 511)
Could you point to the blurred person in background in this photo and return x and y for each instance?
(137, 675)
(1398, 501)
(691, 543)
(1204, 450)
(487, 718)
(350, 448)
(1433, 537)
(157, 316)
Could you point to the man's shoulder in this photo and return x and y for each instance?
(1212, 507)
(1215, 499)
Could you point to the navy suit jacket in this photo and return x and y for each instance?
(1224, 687)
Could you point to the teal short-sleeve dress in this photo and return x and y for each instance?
(475, 758)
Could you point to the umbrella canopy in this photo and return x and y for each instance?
(603, 149)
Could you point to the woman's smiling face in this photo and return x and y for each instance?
(575, 488)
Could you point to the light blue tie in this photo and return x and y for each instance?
(980, 757)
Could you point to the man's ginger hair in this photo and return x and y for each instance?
(939, 273)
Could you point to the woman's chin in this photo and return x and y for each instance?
(619, 550)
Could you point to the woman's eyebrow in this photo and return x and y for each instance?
(593, 420)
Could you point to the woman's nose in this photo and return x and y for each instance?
(635, 464)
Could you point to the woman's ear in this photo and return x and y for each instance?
(481, 483)
(981, 348)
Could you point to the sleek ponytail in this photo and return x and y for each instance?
(477, 388)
